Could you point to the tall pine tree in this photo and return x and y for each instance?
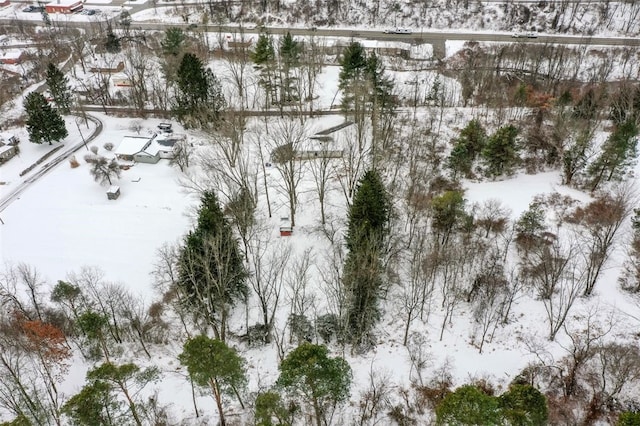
(618, 153)
(199, 99)
(59, 88)
(500, 153)
(365, 240)
(44, 124)
(212, 277)
(289, 59)
(264, 58)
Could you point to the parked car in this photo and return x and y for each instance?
(88, 12)
(524, 35)
(398, 31)
(165, 127)
(33, 9)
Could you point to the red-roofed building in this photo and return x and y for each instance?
(64, 6)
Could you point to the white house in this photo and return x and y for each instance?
(131, 145)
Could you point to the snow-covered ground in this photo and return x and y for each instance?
(63, 222)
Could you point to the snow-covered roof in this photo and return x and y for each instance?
(378, 44)
(6, 136)
(132, 145)
(10, 54)
(6, 148)
(64, 3)
(159, 145)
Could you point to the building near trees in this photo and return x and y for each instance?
(64, 6)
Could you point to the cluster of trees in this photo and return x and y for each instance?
(44, 121)
(471, 405)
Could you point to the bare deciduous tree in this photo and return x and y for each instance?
(285, 141)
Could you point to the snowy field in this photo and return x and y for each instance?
(64, 222)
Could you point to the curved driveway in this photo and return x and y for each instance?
(47, 167)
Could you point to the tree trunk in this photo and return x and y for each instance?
(218, 398)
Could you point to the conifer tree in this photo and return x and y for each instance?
(618, 153)
(289, 60)
(500, 154)
(362, 278)
(466, 148)
(199, 99)
(44, 124)
(59, 88)
(211, 274)
(264, 58)
(213, 364)
(352, 75)
(173, 41)
(308, 372)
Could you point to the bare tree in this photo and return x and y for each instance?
(602, 219)
(417, 289)
(321, 170)
(567, 290)
(268, 265)
(354, 162)
(285, 142)
(104, 170)
(182, 154)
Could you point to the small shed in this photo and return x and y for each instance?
(64, 6)
(113, 192)
(286, 231)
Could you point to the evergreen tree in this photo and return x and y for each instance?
(308, 372)
(353, 63)
(199, 99)
(362, 278)
(629, 418)
(264, 58)
(173, 41)
(448, 213)
(524, 405)
(211, 274)
(213, 364)
(216, 101)
(587, 107)
(468, 405)
(112, 42)
(382, 85)
(466, 148)
(290, 51)
(618, 153)
(270, 410)
(98, 401)
(59, 88)
(500, 154)
(44, 124)
(352, 80)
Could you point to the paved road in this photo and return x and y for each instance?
(428, 36)
(47, 167)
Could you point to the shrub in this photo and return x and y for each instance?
(108, 146)
(94, 149)
(327, 327)
(74, 162)
(91, 158)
